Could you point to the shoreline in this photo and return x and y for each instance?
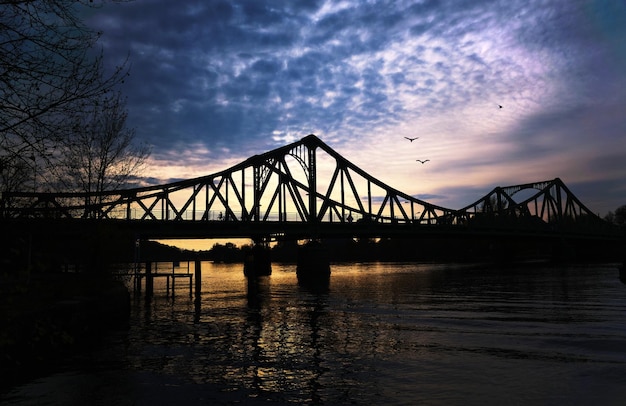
(54, 315)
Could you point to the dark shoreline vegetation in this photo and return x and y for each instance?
(47, 316)
(59, 308)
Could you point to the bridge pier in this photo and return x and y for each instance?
(257, 261)
(313, 264)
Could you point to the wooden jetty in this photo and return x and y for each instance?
(150, 273)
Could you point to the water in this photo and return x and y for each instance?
(393, 334)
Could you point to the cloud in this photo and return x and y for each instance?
(216, 82)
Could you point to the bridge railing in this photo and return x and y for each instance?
(127, 206)
(505, 219)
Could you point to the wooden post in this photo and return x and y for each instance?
(198, 276)
(149, 281)
(138, 279)
(190, 281)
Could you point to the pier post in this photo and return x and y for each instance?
(198, 276)
(313, 264)
(138, 279)
(190, 281)
(257, 261)
(149, 281)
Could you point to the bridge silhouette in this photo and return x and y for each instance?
(304, 190)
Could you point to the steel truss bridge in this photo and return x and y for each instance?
(305, 190)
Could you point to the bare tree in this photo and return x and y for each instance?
(101, 153)
(48, 69)
(620, 215)
(16, 171)
(491, 205)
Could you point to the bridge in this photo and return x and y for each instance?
(286, 191)
(304, 190)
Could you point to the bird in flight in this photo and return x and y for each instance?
(499, 105)
(411, 139)
(422, 161)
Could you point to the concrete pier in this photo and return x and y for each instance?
(257, 262)
(313, 263)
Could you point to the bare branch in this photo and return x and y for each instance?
(48, 72)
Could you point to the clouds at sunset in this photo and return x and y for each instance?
(213, 83)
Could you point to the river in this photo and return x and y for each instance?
(381, 333)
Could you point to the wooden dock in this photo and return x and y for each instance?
(172, 276)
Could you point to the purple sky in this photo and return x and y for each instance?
(214, 82)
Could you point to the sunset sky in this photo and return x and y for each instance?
(215, 82)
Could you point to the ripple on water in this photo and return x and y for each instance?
(396, 334)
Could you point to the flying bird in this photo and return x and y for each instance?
(499, 105)
(411, 139)
(422, 161)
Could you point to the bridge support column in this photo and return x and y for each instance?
(257, 261)
(313, 264)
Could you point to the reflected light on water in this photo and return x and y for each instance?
(392, 333)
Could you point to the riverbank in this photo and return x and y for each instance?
(50, 315)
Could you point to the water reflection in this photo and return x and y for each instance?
(258, 290)
(315, 286)
(377, 333)
(280, 360)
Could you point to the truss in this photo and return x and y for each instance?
(303, 182)
(552, 203)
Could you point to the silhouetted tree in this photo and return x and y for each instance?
(48, 71)
(228, 252)
(15, 171)
(491, 205)
(620, 215)
(100, 153)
